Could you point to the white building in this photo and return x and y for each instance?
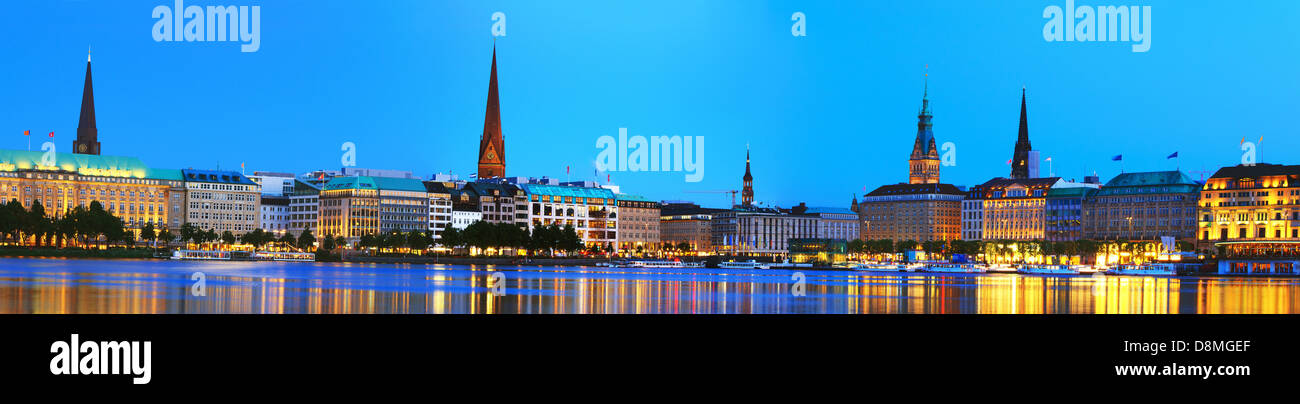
(274, 184)
(275, 214)
(304, 207)
(462, 218)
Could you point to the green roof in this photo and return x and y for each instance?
(561, 190)
(84, 164)
(634, 198)
(163, 174)
(1150, 182)
(378, 183)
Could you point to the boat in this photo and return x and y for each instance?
(201, 255)
(284, 256)
(749, 264)
(1152, 269)
(889, 267)
(673, 263)
(1041, 269)
(953, 268)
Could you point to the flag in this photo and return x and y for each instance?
(1047, 159)
(1172, 156)
(566, 170)
(473, 175)
(27, 133)
(51, 134)
(1117, 157)
(1009, 161)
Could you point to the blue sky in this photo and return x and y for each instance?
(825, 115)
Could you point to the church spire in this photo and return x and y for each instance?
(491, 150)
(87, 141)
(1020, 160)
(747, 193)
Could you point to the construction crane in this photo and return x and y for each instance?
(732, 192)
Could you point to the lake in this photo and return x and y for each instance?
(163, 286)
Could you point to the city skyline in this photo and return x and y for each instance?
(287, 115)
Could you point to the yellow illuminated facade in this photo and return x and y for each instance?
(1256, 205)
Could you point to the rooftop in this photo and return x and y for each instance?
(916, 189)
(561, 190)
(376, 183)
(84, 164)
(213, 176)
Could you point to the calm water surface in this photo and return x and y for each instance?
(159, 286)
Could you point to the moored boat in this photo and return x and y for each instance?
(201, 255)
(953, 268)
(1152, 269)
(1041, 269)
(748, 264)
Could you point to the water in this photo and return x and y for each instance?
(162, 286)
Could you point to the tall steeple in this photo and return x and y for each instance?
(923, 164)
(492, 148)
(87, 141)
(747, 193)
(1020, 161)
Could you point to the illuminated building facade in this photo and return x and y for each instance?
(1143, 206)
(499, 202)
(1007, 209)
(923, 209)
(351, 207)
(1065, 213)
(835, 223)
(304, 207)
(638, 223)
(759, 231)
(222, 201)
(123, 185)
(1251, 211)
(593, 212)
(687, 223)
(440, 207)
(919, 212)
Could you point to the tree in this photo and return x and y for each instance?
(569, 239)
(328, 243)
(227, 237)
(452, 238)
(416, 240)
(147, 233)
(36, 225)
(306, 240)
(166, 236)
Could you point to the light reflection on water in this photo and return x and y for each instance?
(158, 286)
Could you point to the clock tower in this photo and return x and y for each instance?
(492, 148)
(87, 141)
(923, 164)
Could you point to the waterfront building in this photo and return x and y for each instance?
(355, 206)
(221, 201)
(274, 184)
(275, 214)
(918, 212)
(836, 223)
(440, 207)
(1251, 212)
(1010, 209)
(499, 202)
(593, 212)
(304, 208)
(759, 232)
(819, 251)
(87, 134)
(1143, 206)
(684, 222)
(638, 223)
(463, 215)
(123, 185)
(1065, 213)
(923, 209)
(492, 147)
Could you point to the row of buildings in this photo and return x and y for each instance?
(1246, 209)
(1243, 208)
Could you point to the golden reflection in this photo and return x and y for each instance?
(441, 289)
